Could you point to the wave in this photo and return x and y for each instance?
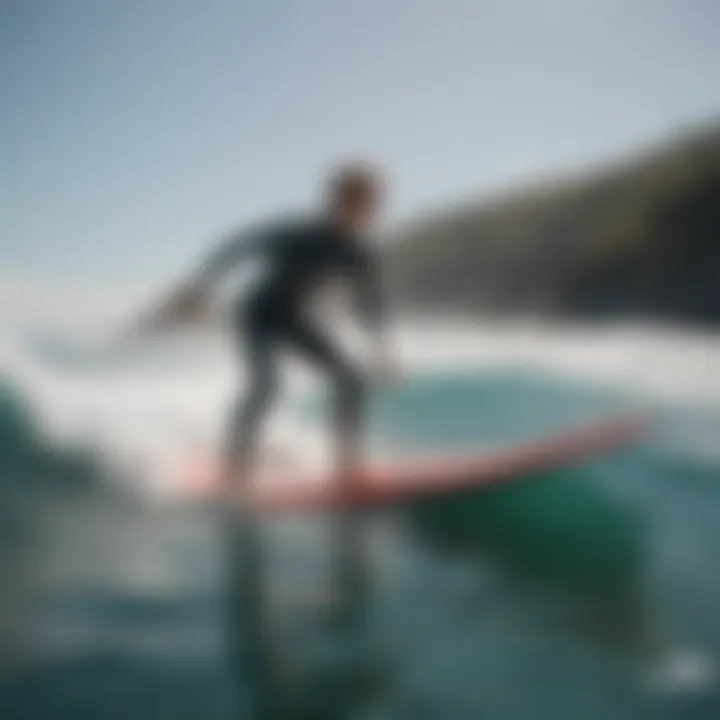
(29, 458)
(149, 411)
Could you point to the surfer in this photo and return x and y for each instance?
(302, 256)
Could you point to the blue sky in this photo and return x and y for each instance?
(133, 131)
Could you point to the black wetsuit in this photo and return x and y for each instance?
(302, 255)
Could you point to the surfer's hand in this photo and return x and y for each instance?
(387, 371)
(184, 306)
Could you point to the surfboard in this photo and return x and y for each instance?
(408, 481)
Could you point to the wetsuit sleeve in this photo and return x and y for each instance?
(369, 290)
(235, 249)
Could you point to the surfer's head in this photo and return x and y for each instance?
(355, 195)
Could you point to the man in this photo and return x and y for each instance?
(302, 256)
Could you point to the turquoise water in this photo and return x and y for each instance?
(128, 620)
(439, 412)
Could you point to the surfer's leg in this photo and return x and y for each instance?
(348, 394)
(348, 431)
(250, 409)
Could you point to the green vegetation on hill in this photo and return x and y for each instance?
(641, 238)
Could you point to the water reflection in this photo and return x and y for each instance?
(303, 660)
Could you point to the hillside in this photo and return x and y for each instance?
(641, 238)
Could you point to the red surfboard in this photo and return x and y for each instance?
(404, 481)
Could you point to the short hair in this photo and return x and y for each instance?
(354, 182)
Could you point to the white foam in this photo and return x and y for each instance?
(671, 364)
(146, 412)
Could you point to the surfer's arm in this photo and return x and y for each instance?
(373, 307)
(190, 301)
(231, 252)
(369, 293)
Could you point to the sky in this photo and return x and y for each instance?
(133, 132)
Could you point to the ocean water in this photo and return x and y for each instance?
(119, 604)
